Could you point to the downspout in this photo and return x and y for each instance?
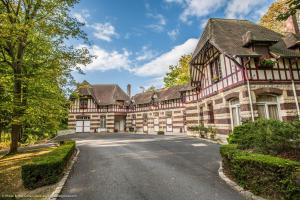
(249, 89)
(294, 90)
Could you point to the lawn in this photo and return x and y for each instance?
(10, 174)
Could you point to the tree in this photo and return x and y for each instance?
(36, 59)
(151, 89)
(290, 9)
(270, 21)
(178, 74)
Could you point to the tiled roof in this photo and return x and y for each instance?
(162, 94)
(104, 94)
(227, 36)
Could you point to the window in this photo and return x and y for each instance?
(235, 112)
(215, 70)
(83, 103)
(211, 118)
(267, 107)
(102, 122)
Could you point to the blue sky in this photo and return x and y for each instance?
(135, 41)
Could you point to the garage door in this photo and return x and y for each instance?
(169, 125)
(83, 126)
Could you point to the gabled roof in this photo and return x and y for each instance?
(162, 94)
(227, 36)
(103, 94)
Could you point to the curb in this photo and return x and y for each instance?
(55, 194)
(245, 193)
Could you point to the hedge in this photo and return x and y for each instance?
(48, 168)
(265, 175)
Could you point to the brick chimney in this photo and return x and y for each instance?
(291, 25)
(129, 90)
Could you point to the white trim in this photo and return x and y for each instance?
(238, 114)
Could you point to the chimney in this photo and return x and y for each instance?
(129, 90)
(291, 25)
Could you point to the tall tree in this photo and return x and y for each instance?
(292, 7)
(270, 21)
(35, 56)
(178, 74)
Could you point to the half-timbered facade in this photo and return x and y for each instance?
(243, 71)
(98, 108)
(161, 110)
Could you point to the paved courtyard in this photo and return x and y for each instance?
(129, 166)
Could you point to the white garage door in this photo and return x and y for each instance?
(169, 125)
(82, 126)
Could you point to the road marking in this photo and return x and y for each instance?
(199, 145)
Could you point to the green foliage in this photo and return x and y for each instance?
(36, 64)
(267, 136)
(48, 168)
(201, 129)
(178, 74)
(269, 20)
(151, 89)
(160, 132)
(265, 175)
(293, 6)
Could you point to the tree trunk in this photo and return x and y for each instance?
(17, 111)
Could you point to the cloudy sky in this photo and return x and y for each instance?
(136, 40)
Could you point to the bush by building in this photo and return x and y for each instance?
(266, 175)
(48, 168)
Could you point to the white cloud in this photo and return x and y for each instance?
(82, 15)
(159, 24)
(104, 31)
(107, 60)
(160, 65)
(145, 54)
(173, 34)
(240, 9)
(200, 8)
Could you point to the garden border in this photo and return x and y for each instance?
(245, 193)
(55, 194)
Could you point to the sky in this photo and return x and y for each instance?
(135, 41)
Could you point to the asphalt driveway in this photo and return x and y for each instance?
(129, 167)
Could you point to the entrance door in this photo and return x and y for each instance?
(86, 126)
(156, 124)
(83, 126)
(169, 125)
(79, 126)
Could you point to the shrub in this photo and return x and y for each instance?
(48, 168)
(267, 136)
(262, 174)
(160, 132)
(202, 130)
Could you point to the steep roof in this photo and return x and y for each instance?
(227, 36)
(162, 94)
(104, 94)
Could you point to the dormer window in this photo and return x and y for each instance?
(215, 70)
(83, 103)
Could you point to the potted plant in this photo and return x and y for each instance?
(267, 63)
(215, 78)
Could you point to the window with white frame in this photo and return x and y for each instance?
(267, 107)
(102, 122)
(235, 112)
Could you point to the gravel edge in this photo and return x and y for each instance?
(55, 194)
(245, 193)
